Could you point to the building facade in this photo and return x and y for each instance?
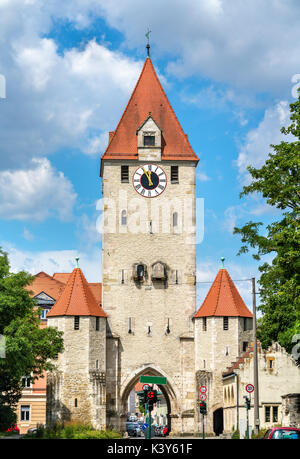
(147, 321)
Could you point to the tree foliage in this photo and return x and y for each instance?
(28, 347)
(278, 182)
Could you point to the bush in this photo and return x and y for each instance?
(8, 418)
(260, 434)
(236, 435)
(73, 430)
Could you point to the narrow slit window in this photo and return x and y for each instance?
(75, 403)
(204, 324)
(97, 323)
(123, 217)
(76, 322)
(176, 277)
(125, 174)
(174, 174)
(168, 327)
(225, 323)
(122, 276)
(129, 325)
(175, 219)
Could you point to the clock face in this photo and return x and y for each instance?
(149, 180)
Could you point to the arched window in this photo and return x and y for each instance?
(124, 217)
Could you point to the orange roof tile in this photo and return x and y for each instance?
(62, 277)
(223, 299)
(77, 299)
(44, 283)
(149, 96)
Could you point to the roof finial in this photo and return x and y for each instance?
(77, 259)
(148, 44)
(222, 260)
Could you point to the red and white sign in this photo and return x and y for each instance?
(203, 389)
(145, 387)
(249, 388)
(203, 397)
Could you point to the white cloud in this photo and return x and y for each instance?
(256, 147)
(36, 193)
(55, 261)
(233, 41)
(53, 99)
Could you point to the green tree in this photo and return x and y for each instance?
(278, 181)
(28, 347)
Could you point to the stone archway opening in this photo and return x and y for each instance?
(218, 422)
(133, 412)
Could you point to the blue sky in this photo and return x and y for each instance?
(229, 70)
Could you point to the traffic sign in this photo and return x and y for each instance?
(146, 387)
(153, 380)
(144, 426)
(203, 389)
(249, 388)
(203, 397)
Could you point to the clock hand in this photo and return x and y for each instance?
(148, 175)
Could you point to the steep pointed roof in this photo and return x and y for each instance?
(76, 299)
(223, 299)
(149, 97)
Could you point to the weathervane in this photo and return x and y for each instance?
(222, 260)
(148, 44)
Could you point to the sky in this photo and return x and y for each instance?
(67, 69)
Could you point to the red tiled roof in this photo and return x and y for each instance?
(223, 299)
(77, 299)
(62, 277)
(44, 283)
(149, 96)
(241, 359)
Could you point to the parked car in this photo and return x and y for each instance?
(14, 429)
(133, 429)
(278, 433)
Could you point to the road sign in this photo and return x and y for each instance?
(153, 380)
(146, 387)
(249, 388)
(203, 397)
(203, 389)
(144, 426)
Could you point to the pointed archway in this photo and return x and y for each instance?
(167, 390)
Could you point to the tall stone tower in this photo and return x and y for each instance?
(149, 255)
(76, 391)
(223, 331)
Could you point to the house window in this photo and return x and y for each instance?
(267, 413)
(44, 314)
(124, 174)
(26, 381)
(25, 412)
(97, 323)
(275, 413)
(225, 323)
(174, 174)
(149, 140)
(123, 217)
(204, 324)
(76, 322)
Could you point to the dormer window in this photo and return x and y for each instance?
(149, 140)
